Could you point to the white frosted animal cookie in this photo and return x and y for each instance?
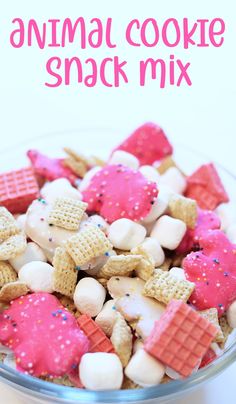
(32, 253)
(87, 178)
(124, 158)
(231, 315)
(38, 276)
(107, 317)
(227, 215)
(144, 370)
(37, 227)
(135, 307)
(58, 188)
(89, 296)
(20, 220)
(150, 173)
(96, 220)
(174, 179)
(178, 273)
(169, 232)
(159, 207)
(101, 371)
(126, 234)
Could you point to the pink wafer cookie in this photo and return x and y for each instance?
(50, 168)
(206, 220)
(117, 191)
(45, 337)
(213, 270)
(148, 143)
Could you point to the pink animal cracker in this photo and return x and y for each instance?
(180, 338)
(118, 192)
(148, 143)
(206, 220)
(45, 337)
(205, 186)
(213, 270)
(50, 168)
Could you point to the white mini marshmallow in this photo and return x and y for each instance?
(138, 344)
(126, 234)
(32, 253)
(231, 315)
(150, 173)
(89, 296)
(20, 220)
(227, 215)
(154, 250)
(124, 158)
(231, 232)
(173, 374)
(174, 179)
(107, 317)
(87, 178)
(101, 371)
(58, 188)
(169, 232)
(178, 273)
(144, 370)
(38, 276)
(158, 208)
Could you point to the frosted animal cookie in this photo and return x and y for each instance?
(231, 315)
(125, 234)
(124, 158)
(96, 220)
(38, 229)
(178, 273)
(135, 307)
(107, 317)
(57, 188)
(169, 232)
(32, 253)
(38, 276)
(160, 205)
(89, 296)
(150, 173)
(144, 370)
(174, 179)
(20, 220)
(101, 371)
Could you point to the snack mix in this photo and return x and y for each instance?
(117, 274)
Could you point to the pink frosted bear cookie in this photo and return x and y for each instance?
(45, 338)
(118, 192)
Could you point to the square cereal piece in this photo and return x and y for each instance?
(18, 189)
(7, 273)
(180, 338)
(13, 290)
(8, 225)
(212, 316)
(164, 287)
(88, 244)
(122, 339)
(165, 164)
(65, 273)
(68, 303)
(99, 342)
(146, 266)
(121, 265)
(226, 330)
(13, 246)
(184, 209)
(67, 213)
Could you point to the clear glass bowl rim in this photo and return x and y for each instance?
(46, 390)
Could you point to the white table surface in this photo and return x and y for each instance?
(202, 116)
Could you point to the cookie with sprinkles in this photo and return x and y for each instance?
(118, 192)
(213, 270)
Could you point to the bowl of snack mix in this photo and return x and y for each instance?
(117, 268)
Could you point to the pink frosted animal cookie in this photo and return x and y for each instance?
(118, 192)
(148, 143)
(213, 270)
(206, 220)
(45, 338)
(50, 168)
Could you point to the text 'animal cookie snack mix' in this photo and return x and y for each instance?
(117, 274)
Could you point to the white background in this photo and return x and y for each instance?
(202, 116)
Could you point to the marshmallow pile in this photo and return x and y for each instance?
(105, 259)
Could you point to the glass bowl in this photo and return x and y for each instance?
(99, 142)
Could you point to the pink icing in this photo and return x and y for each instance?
(207, 220)
(50, 168)
(117, 191)
(148, 143)
(213, 270)
(44, 337)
